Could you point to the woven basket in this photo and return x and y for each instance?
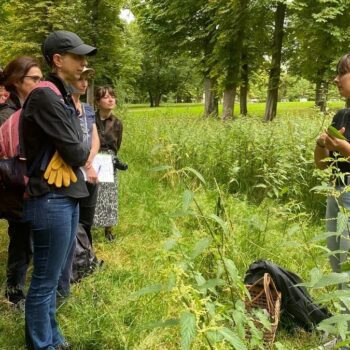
(264, 295)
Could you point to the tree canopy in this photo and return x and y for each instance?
(177, 49)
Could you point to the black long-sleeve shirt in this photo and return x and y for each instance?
(49, 122)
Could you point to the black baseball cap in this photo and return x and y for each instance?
(61, 41)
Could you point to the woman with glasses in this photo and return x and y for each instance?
(19, 78)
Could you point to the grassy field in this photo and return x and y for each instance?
(254, 109)
(150, 277)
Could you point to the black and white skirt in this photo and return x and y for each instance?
(106, 212)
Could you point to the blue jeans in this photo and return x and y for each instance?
(53, 219)
(340, 243)
(63, 287)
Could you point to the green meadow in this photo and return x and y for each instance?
(200, 202)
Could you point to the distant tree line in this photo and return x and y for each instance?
(233, 42)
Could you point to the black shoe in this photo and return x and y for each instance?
(108, 234)
(118, 164)
(14, 295)
(110, 237)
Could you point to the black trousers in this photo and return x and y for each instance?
(20, 252)
(87, 209)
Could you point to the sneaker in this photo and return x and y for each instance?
(21, 305)
(329, 345)
(64, 346)
(332, 344)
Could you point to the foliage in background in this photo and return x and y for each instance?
(27, 23)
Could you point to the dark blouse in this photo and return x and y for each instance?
(342, 119)
(110, 132)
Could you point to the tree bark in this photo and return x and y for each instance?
(151, 101)
(157, 100)
(275, 71)
(210, 99)
(243, 95)
(321, 95)
(234, 69)
(229, 103)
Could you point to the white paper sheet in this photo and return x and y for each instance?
(103, 166)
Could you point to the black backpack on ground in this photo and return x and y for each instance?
(297, 307)
(85, 261)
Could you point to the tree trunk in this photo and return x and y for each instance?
(275, 71)
(151, 99)
(321, 94)
(157, 100)
(347, 103)
(229, 103)
(318, 93)
(243, 95)
(210, 99)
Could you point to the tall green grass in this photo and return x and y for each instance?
(262, 174)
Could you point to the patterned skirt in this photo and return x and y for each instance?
(106, 212)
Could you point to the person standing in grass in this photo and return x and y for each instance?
(335, 148)
(90, 135)
(338, 150)
(86, 116)
(19, 78)
(50, 128)
(110, 131)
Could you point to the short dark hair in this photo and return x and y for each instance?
(102, 91)
(343, 65)
(16, 70)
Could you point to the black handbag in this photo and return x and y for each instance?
(12, 187)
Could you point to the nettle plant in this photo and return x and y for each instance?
(204, 282)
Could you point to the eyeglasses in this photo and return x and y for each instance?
(34, 78)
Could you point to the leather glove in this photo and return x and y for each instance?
(59, 173)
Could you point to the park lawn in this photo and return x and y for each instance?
(197, 109)
(115, 308)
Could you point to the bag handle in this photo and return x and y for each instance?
(269, 289)
(268, 282)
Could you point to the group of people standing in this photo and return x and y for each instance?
(60, 137)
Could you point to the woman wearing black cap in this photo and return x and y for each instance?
(51, 130)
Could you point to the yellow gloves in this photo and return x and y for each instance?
(59, 173)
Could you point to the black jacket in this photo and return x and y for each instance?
(50, 123)
(297, 305)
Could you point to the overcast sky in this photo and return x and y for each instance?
(126, 15)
